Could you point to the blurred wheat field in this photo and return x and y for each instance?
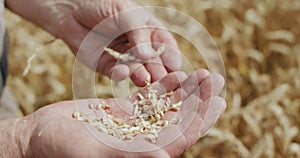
(260, 44)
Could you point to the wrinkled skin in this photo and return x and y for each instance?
(56, 134)
(72, 20)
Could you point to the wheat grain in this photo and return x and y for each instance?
(148, 113)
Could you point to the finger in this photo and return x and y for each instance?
(161, 34)
(138, 73)
(119, 72)
(189, 93)
(211, 86)
(156, 69)
(190, 106)
(109, 66)
(169, 82)
(210, 110)
(197, 124)
(190, 85)
(140, 39)
(105, 64)
(171, 57)
(190, 126)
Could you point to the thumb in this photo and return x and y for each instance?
(140, 39)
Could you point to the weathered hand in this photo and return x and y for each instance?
(54, 133)
(147, 39)
(123, 25)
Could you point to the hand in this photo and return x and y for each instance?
(72, 20)
(54, 133)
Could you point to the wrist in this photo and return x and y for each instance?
(47, 14)
(14, 138)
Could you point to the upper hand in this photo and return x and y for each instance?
(73, 20)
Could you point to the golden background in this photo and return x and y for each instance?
(260, 44)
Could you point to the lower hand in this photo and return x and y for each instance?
(53, 132)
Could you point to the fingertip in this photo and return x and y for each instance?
(144, 51)
(218, 79)
(172, 59)
(138, 82)
(213, 108)
(202, 74)
(156, 69)
(219, 101)
(169, 83)
(119, 72)
(211, 86)
(139, 76)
